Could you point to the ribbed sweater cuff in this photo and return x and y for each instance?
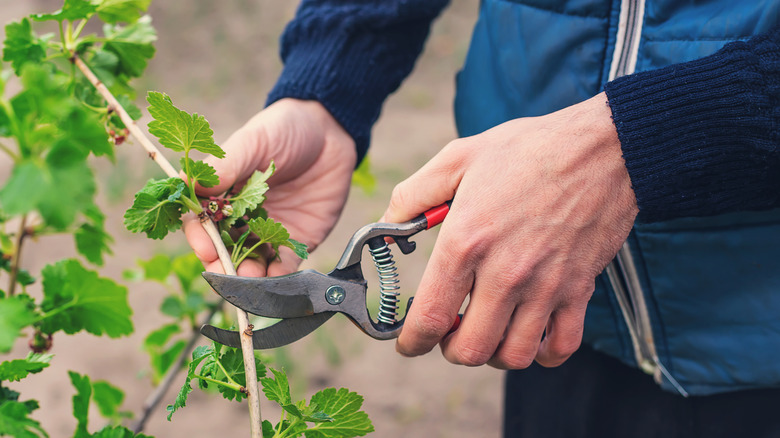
(350, 57)
(701, 138)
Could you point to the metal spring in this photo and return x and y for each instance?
(388, 284)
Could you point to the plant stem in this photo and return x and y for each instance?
(17, 255)
(247, 348)
(130, 124)
(151, 402)
(8, 151)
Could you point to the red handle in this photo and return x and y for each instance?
(436, 215)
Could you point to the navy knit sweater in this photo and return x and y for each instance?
(699, 138)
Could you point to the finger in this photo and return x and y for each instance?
(521, 341)
(251, 268)
(199, 240)
(443, 288)
(432, 185)
(482, 327)
(286, 263)
(563, 336)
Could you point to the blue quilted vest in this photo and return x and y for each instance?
(703, 308)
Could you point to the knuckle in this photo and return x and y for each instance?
(472, 355)
(559, 351)
(432, 325)
(514, 360)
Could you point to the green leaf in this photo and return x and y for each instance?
(278, 390)
(14, 316)
(344, 407)
(274, 233)
(188, 270)
(21, 46)
(179, 130)
(162, 357)
(363, 178)
(117, 432)
(155, 210)
(15, 420)
(108, 399)
(233, 362)
(71, 10)
(198, 355)
(158, 338)
(76, 299)
(40, 186)
(132, 44)
(125, 11)
(300, 249)
(17, 369)
(251, 195)
(158, 268)
(172, 306)
(91, 238)
(81, 402)
(200, 172)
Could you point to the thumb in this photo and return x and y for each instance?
(434, 184)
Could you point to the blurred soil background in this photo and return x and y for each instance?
(220, 59)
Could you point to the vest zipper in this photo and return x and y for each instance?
(622, 272)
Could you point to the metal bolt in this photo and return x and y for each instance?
(335, 295)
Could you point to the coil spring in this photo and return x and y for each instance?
(388, 284)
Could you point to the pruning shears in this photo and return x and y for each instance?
(306, 299)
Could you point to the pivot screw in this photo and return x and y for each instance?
(335, 295)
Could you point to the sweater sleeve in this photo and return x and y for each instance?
(351, 54)
(702, 138)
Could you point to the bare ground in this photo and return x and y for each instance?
(220, 59)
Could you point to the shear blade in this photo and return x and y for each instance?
(280, 334)
(296, 295)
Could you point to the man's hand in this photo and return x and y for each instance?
(314, 158)
(540, 207)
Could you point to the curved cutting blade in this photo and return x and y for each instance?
(296, 295)
(282, 333)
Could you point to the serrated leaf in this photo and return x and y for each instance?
(81, 402)
(14, 316)
(300, 249)
(77, 299)
(178, 130)
(278, 390)
(125, 11)
(155, 210)
(274, 233)
(200, 172)
(344, 407)
(15, 420)
(198, 355)
(251, 195)
(17, 369)
(21, 46)
(268, 429)
(132, 44)
(71, 10)
(232, 361)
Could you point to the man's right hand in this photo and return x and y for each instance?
(314, 159)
